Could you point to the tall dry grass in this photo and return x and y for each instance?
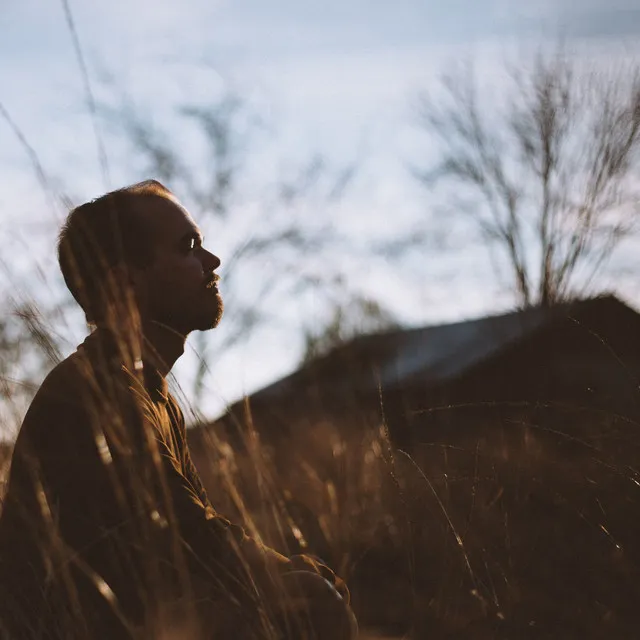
(523, 526)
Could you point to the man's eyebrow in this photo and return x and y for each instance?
(191, 235)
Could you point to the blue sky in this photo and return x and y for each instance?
(336, 76)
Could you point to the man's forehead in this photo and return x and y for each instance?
(167, 218)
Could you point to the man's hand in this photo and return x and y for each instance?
(315, 565)
(313, 608)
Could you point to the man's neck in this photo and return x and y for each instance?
(162, 346)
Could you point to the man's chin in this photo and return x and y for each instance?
(213, 320)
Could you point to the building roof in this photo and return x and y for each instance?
(432, 354)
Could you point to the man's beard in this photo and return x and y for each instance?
(213, 320)
(219, 313)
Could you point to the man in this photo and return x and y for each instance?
(106, 530)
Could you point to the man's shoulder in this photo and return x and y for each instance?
(77, 379)
(64, 382)
(55, 408)
(79, 390)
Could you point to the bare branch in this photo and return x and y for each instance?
(551, 171)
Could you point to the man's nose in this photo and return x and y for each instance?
(210, 262)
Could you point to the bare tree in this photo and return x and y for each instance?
(547, 173)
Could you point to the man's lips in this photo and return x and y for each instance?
(212, 283)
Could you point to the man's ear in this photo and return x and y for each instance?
(138, 285)
(124, 285)
(120, 275)
(124, 295)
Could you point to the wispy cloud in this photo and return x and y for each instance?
(606, 22)
(587, 18)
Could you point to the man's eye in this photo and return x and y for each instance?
(191, 244)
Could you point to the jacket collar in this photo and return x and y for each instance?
(109, 353)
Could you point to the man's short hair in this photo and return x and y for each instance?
(101, 234)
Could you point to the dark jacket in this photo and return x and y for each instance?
(105, 517)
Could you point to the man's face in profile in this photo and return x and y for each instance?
(178, 288)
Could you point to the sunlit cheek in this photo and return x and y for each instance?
(177, 280)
